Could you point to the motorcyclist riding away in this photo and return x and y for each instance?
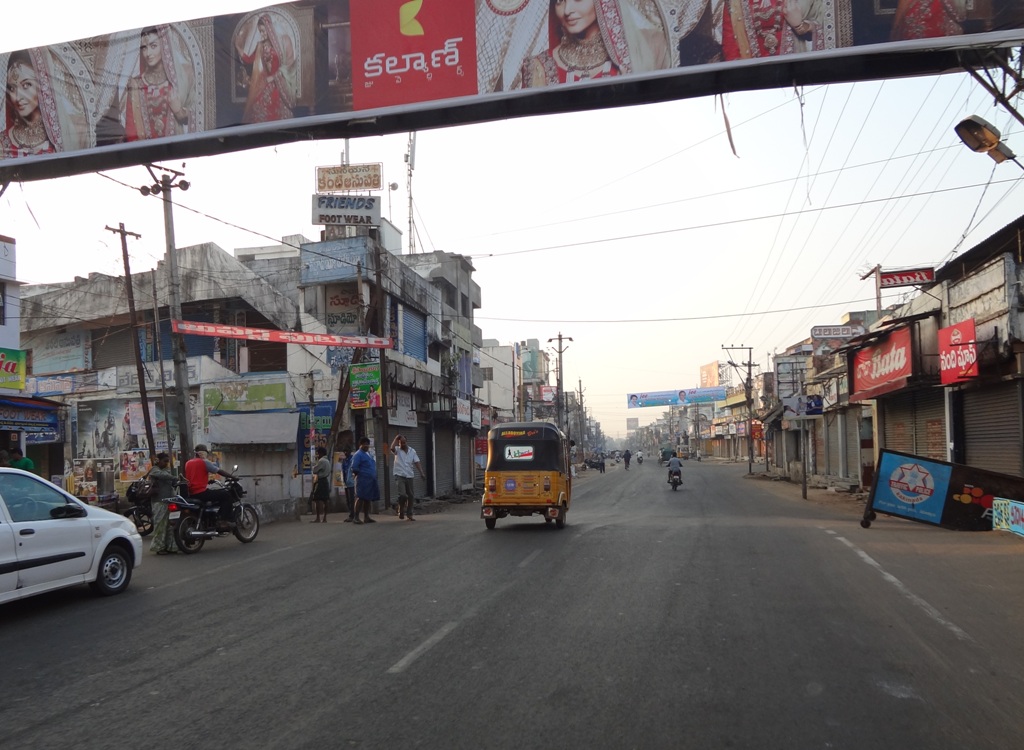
(674, 464)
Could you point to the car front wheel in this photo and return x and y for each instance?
(115, 572)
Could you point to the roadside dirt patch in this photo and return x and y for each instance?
(850, 503)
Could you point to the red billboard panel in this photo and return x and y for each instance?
(407, 52)
(338, 68)
(882, 367)
(958, 352)
(906, 277)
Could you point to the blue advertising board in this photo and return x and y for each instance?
(674, 398)
(954, 496)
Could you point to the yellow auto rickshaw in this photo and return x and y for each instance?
(527, 472)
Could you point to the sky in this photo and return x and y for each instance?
(636, 231)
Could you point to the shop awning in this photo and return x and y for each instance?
(254, 428)
(772, 415)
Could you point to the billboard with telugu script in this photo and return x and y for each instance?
(338, 68)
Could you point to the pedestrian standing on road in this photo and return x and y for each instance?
(164, 487)
(625, 457)
(364, 472)
(350, 487)
(600, 464)
(407, 465)
(321, 484)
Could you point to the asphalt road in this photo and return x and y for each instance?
(729, 614)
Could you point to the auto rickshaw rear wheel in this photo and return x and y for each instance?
(490, 523)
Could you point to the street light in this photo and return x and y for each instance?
(982, 137)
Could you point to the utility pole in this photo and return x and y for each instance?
(382, 330)
(133, 319)
(561, 397)
(160, 361)
(163, 187)
(748, 390)
(583, 418)
(877, 273)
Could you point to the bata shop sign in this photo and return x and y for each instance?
(882, 368)
(958, 353)
(907, 277)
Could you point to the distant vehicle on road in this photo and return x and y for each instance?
(50, 539)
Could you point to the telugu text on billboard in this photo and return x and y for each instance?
(958, 352)
(345, 177)
(298, 70)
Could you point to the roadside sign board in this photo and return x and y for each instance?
(954, 496)
(346, 210)
(347, 177)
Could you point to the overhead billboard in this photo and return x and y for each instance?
(677, 397)
(338, 69)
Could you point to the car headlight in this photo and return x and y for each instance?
(128, 526)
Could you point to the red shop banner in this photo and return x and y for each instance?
(958, 352)
(882, 368)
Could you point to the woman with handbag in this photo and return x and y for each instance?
(163, 487)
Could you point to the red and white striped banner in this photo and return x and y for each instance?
(280, 337)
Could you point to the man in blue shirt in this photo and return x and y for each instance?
(364, 471)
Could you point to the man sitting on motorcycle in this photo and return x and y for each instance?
(674, 464)
(197, 472)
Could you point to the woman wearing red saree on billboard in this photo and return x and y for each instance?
(158, 101)
(590, 39)
(42, 113)
(926, 19)
(765, 28)
(267, 48)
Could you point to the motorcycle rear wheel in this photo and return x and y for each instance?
(188, 545)
(247, 524)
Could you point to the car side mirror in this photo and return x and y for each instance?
(68, 511)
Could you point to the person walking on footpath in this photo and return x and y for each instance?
(407, 465)
(321, 484)
(164, 487)
(364, 473)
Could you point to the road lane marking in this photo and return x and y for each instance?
(530, 558)
(402, 664)
(927, 608)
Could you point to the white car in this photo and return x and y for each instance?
(50, 539)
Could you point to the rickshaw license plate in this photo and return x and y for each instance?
(174, 515)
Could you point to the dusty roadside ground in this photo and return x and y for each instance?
(850, 503)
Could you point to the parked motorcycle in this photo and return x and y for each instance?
(675, 479)
(140, 510)
(196, 521)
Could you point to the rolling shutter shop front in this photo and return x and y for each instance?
(466, 447)
(444, 461)
(833, 424)
(852, 418)
(992, 428)
(898, 415)
(915, 422)
(930, 424)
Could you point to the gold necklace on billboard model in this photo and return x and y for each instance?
(583, 54)
(30, 134)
